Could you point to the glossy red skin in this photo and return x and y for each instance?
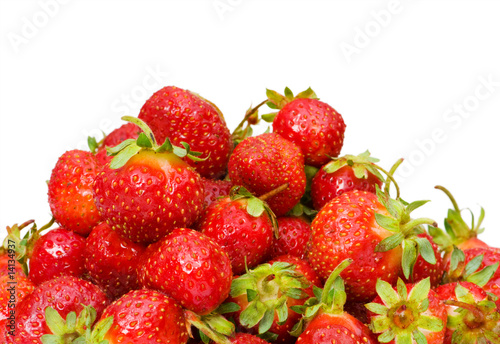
(117, 136)
(9, 265)
(493, 286)
(189, 267)
(314, 126)
(146, 317)
(149, 196)
(336, 328)
(64, 294)
(240, 234)
(22, 286)
(215, 189)
(56, 253)
(183, 116)
(263, 163)
(436, 308)
(70, 192)
(490, 257)
(423, 269)
(246, 338)
(294, 236)
(346, 228)
(111, 261)
(326, 186)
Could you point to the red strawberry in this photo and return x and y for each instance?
(302, 267)
(476, 265)
(191, 268)
(244, 232)
(145, 317)
(9, 264)
(111, 261)
(117, 136)
(493, 287)
(410, 313)
(215, 189)
(246, 338)
(70, 192)
(64, 295)
(309, 123)
(344, 174)
(265, 162)
(14, 289)
(147, 190)
(326, 322)
(294, 235)
(184, 116)
(352, 226)
(56, 253)
(472, 316)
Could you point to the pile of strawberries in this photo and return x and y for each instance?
(172, 229)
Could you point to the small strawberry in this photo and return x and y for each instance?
(183, 116)
(189, 267)
(311, 124)
(243, 226)
(345, 174)
(263, 163)
(407, 313)
(114, 138)
(111, 261)
(70, 192)
(294, 236)
(146, 317)
(147, 190)
(215, 189)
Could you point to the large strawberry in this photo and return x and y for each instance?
(371, 230)
(147, 190)
(70, 191)
(407, 313)
(243, 226)
(310, 123)
(190, 267)
(183, 116)
(111, 261)
(263, 163)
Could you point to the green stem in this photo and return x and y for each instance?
(144, 127)
(247, 116)
(331, 279)
(407, 227)
(390, 177)
(450, 196)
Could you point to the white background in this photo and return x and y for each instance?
(398, 72)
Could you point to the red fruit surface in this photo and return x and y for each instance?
(336, 328)
(294, 235)
(263, 163)
(246, 338)
(215, 189)
(184, 116)
(303, 268)
(423, 269)
(56, 253)
(117, 136)
(70, 193)
(190, 267)
(14, 288)
(9, 265)
(64, 294)
(493, 286)
(146, 317)
(149, 196)
(244, 237)
(111, 261)
(326, 186)
(314, 126)
(346, 228)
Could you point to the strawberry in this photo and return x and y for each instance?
(56, 253)
(70, 192)
(243, 338)
(243, 226)
(407, 313)
(189, 267)
(324, 320)
(472, 316)
(146, 317)
(311, 124)
(38, 314)
(147, 190)
(114, 138)
(9, 264)
(14, 289)
(263, 163)
(477, 265)
(345, 174)
(294, 235)
(371, 230)
(111, 261)
(184, 116)
(215, 189)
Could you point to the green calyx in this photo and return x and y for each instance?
(267, 288)
(146, 140)
(76, 330)
(472, 321)
(213, 326)
(400, 316)
(470, 272)
(457, 230)
(330, 299)
(277, 101)
(405, 231)
(361, 164)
